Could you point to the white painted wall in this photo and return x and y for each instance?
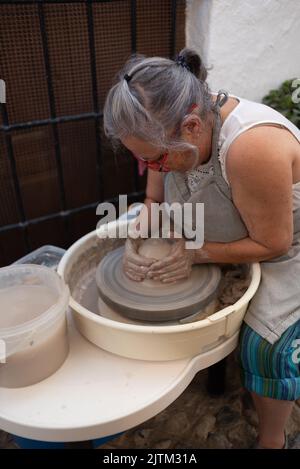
(251, 45)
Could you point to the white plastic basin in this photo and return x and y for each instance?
(146, 342)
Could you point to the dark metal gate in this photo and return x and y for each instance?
(57, 59)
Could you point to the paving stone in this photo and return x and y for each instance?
(178, 424)
(141, 438)
(294, 442)
(251, 417)
(163, 444)
(218, 441)
(227, 415)
(242, 435)
(204, 427)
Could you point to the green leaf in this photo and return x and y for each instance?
(281, 100)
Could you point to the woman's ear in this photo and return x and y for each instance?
(191, 126)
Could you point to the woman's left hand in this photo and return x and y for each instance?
(176, 266)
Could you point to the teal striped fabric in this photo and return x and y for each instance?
(271, 370)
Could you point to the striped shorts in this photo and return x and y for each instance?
(271, 370)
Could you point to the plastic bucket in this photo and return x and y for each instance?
(33, 327)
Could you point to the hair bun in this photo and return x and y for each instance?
(194, 62)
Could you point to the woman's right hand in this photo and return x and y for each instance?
(135, 266)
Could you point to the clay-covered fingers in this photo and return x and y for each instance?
(176, 254)
(136, 259)
(132, 275)
(138, 268)
(135, 266)
(174, 278)
(174, 266)
(168, 261)
(178, 273)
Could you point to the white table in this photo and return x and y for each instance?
(96, 394)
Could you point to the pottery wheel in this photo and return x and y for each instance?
(151, 300)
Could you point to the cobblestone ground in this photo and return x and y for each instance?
(197, 420)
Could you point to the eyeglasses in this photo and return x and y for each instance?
(160, 163)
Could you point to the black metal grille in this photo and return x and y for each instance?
(57, 59)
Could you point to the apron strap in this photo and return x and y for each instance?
(222, 98)
(220, 101)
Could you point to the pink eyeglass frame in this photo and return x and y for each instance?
(160, 163)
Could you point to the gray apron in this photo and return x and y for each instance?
(276, 304)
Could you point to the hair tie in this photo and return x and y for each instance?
(182, 62)
(127, 77)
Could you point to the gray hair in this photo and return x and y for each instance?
(156, 99)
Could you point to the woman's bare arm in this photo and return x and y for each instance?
(154, 193)
(155, 186)
(259, 169)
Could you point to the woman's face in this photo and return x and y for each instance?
(192, 131)
(161, 160)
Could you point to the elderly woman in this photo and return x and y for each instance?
(242, 160)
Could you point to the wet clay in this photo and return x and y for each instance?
(22, 303)
(155, 248)
(155, 301)
(39, 358)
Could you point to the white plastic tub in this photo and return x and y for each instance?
(145, 342)
(33, 330)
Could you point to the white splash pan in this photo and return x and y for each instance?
(145, 342)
